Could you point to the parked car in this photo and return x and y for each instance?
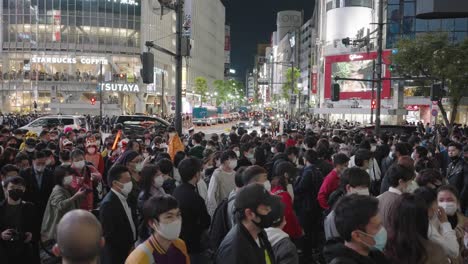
(134, 126)
(75, 122)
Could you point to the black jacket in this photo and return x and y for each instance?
(243, 162)
(238, 247)
(337, 253)
(38, 196)
(194, 214)
(306, 190)
(457, 175)
(116, 230)
(18, 251)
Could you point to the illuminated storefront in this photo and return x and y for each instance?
(55, 52)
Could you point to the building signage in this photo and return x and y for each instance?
(120, 87)
(69, 60)
(314, 83)
(355, 57)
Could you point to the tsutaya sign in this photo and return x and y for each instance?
(69, 60)
(120, 87)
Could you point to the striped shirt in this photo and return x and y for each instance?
(151, 252)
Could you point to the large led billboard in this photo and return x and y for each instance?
(355, 66)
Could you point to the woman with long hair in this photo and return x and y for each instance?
(408, 242)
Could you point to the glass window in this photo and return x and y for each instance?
(460, 24)
(448, 24)
(408, 25)
(393, 12)
(421, 25)
(434, 25)
(409, 9)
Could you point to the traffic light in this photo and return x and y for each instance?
(93, 100)
(335, 92)
(374, 104)
(147, 71)
(392, 67)
(436, 92)
(346, 41)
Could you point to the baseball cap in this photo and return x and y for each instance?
(253, 195)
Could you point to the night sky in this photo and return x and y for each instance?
(252, 22)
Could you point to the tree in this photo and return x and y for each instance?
(201, 88)
(287, 86)
(228, 90)
(433, 56)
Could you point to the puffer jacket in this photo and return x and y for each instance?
(284, 249)
(457, 176)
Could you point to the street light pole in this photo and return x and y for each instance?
(379, 67)
(100, 94)
(178, 82)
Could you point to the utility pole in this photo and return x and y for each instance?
(162, 94)
(292, 90)
(379, 67)
(372, 93)
(178, 82)
(100, 94)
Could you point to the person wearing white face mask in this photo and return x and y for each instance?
(62, 200)
(449, 199)
(163, 216)
(400, 179)
(222, 181)
(93, 156)
(439, 229)
(116, 217)
(86, 177)
(246, 155)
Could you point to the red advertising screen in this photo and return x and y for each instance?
(355, 66)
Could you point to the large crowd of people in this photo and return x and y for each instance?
(305, 195)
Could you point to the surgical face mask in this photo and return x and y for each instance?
(413, 156)
(127, 188)
(265, 221)
(237, 153)
(158, 181)
(363, 191)
(232, 164)
(67, 180)
(30, 150)
(79, 164)
(145, 155)
(139, 167)
(373, 148)
(48, 162)
(267, 185)
(218, 163)
(449, 207)
(380, 239)
(92, 150)
(249, 156)
(169, 231)
(66, 163)
(273, 150)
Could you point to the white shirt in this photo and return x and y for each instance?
(221, 184)
(127, 210)
(443, 235)
(394, 190)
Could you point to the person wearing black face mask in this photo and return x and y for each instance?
(247, 242)
(18, 238)
(457, 173)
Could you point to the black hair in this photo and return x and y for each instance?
(16, 180)
(353, 212)
(115, 173)
(426, 195)
(228, 154)
(252, 173)
(403, 149)
(163, 155)
(165, 166)
(282, 168)
(398, 172)
(238, 178)
(158, 205)
(408, 225)
(425, 163)
(340, 159)
(60, 172)
(8, 168)
(197, 138)
(311, 156)
(361, 156)
(188, 168)
(292, 150)
(245, 147)
(451, 189)
(65, 155)
(76, 153)
(179, 156)
(456, 145)
(147, 179)
(354, 177)
(39, 155)
(20, 157)
(428, 176)
(280, 147)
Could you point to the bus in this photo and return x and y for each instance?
(223, 115)
(205, 116)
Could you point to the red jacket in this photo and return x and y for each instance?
(292, 227)
(329, 185)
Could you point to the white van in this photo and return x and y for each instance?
(75, 122)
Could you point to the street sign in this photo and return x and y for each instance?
(434, 112)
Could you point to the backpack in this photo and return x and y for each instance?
(220, 223)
